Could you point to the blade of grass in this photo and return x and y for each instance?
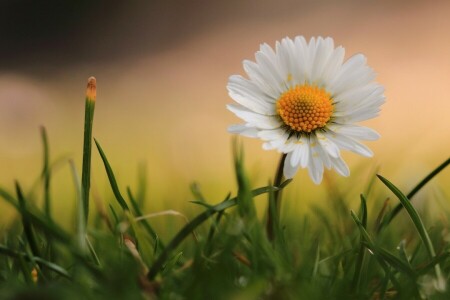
(360, 259)
(9, 198)
(145, 223)
(246, 207)
(46, 172)
(93, 252)
(415, 190)
(194, 223)
(143, 243)
(27, 227)
(91, 93)
(46, 264)
(417, 221)
(80, 223)
(382, 255)
(112, 178)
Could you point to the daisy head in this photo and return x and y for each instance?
(302, 99)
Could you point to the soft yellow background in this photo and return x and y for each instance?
(167, 108)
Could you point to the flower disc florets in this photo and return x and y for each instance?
(305, 108)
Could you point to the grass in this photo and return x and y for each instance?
(226, 251)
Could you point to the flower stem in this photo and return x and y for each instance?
(273, 212)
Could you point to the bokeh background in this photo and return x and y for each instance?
(162, 69)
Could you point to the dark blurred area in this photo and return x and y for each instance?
(42, 34)
(68, 32)
(36, 33)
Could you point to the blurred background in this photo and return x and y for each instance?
(162, 69)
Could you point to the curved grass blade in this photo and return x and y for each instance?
(81, 224)
(9, 198)
(415, 190)
(382, 255)
(145, 223)
(415, 218)
(87, 143)
(43, 263)
(27, 227)
(37, 219)
(194, 223)
(46, 172)
(359, 262)
(112, 178)
(144, 246)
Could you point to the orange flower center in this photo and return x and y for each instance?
(305, 108)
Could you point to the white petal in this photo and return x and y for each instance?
(304, 156)
(323, 155)
(323, 53)
(264, 82)
(315, 167)
(289, 170)
(357, 132)
(328, 145)
(301, 51)
(243, 130)
(295, 156)
(354, 72)
(246, 93)
(350, 144)
(300, 148)
(334, 64)
(340, 166)
(268, 135)
(254, 119)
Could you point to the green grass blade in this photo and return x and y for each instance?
(37, 219)
(360, 259)
(42, 262)
(93, 252)
(246, 206)
(87, 144)
(145, 223)
(415, 218)
(415, 190)
(381, 254)
(194, 223)
(46, 172)
(9, 198)
(143, 243)
(80, 223)
(112, 178)
(26, 222)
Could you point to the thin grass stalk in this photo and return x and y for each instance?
(274, 207)
(46, 172)
(91, 93)
(356, 283)
(26, 222)
(415, 190)
(80, 223)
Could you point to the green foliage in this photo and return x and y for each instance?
(329, 253)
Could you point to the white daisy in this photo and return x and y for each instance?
(302, 99)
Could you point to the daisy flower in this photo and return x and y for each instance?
(303, 100)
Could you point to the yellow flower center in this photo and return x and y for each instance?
(305, 108)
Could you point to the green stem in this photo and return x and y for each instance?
(87, 145)
(46, 172)
(273, 212)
